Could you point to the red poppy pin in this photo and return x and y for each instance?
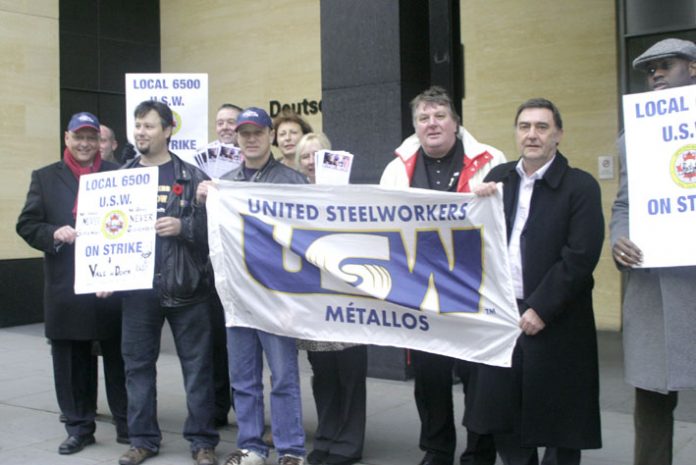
(178, 189)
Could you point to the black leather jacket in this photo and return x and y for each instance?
(183, 276)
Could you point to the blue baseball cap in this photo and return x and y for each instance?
(256, 116)
(83, 120)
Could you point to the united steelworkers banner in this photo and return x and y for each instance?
(418, 269)
(186, 95)
(115, 223)
(661, 163)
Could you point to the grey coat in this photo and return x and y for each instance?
(659, 313)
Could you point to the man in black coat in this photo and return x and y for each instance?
(550, 396)
(74, 322)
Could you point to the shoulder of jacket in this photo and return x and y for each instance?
(109, 166)
(581, 175)
(407, 148)
(501, 172)
(471, 143)
(289, 173)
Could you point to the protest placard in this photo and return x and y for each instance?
(115, 223)
(187, 96)
(660, 130)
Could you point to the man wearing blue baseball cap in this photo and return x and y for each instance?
(658, 306)
(74, 323)
(246, 345)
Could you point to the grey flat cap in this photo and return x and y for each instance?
(664, 49)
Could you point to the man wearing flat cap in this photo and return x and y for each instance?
(74, 323)
(658, 304)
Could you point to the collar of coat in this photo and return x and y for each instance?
(239, 174)
(552, 177)
(476, 156)
(181, 171)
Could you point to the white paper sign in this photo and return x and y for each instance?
(661, 163)
(420, 269)
(115, 246)
(186, 95)
(218, 159)
(332, 167)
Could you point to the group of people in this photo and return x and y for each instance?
(555, 228)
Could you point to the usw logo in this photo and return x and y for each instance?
(369, 263)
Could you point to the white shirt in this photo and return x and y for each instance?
(524, 199)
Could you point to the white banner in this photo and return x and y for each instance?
(186, 95)
(418, 269)
(661, 162)
(115, 246)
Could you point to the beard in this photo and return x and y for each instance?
(144, 150)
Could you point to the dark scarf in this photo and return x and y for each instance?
(78, 170)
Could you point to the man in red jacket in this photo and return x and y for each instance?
(442, 156)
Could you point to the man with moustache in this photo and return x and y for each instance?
(179, 294)
(658, 306)
(74, 323)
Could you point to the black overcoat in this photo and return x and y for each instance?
(49, 206)
(555, 375)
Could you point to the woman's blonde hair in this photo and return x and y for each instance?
(306, 139)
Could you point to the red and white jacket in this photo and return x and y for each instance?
(478, 161)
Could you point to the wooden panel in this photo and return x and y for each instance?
(29, 107)
(44, 8)
(566, 52)
(253, 52)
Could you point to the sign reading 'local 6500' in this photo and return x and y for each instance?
(661, 162)
(187, 97)
(115, 223)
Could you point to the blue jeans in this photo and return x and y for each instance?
(143, 317)
(245, 348)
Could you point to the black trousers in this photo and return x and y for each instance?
(480, 448)
(433, 394)
(512, 453)
(654, 422)
(75, 373)
(339, 389)
(221, 374)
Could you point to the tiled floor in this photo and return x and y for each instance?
(30, 431)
